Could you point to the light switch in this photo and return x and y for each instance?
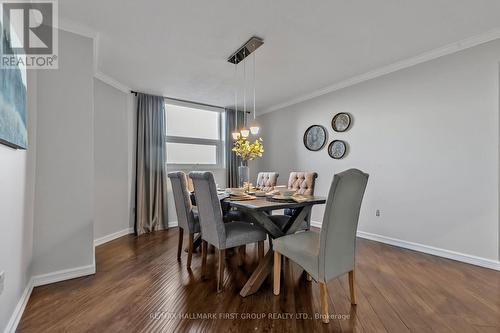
(2, 280)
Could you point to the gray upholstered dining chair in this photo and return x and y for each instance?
(329, 254)
(187, 216)
(266, 181)
(214, 231)
(303, 183)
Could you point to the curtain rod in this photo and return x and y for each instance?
(186, 101)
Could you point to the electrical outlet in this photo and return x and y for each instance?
(377, 213)
(2, 280)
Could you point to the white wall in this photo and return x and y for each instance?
(17, 171)
(64, 203)
(113, 159)
(427, 135)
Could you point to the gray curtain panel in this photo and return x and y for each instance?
(151, 173)
(232, 162)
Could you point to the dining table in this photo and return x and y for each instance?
(257, 211)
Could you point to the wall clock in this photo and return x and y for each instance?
(341, 122)
(315, 137)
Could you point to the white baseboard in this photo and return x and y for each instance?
(19, 309)
(173, 224)
(316, 224)
(124, 232)
(40, 280)
(462, 257)
(113, 236)
(65, 274)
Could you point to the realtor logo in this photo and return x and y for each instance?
(29, 33)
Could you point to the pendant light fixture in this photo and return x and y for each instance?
(240, 55)
(254, 129)
(236, 133)
(244, 131)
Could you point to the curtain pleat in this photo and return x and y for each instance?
(232, 161)
(151, 173)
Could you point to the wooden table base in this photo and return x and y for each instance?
(266, 264)
(259, 275)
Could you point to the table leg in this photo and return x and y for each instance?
(265, 266)
(259, 275)
(260, 218)
(296, 220)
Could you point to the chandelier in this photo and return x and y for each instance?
(241, 55)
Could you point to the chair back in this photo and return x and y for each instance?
(340, 223)
(209, 208)
(182, 200)
(302, 182)
(266, 181)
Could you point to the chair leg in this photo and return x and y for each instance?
(190, 250)
(260, 246)
(324, 302)
(241, 254)
(277, 273)
(179, 246)
(220, 272)
(203, 258)
(351, 287)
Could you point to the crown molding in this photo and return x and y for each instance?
(112, 82)
(85, 31)
(424, 57)
(77, 28)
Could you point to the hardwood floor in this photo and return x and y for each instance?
(140, 287)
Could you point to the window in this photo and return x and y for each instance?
(194, 136)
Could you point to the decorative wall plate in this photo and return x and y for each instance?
(337, 149)
(341, 122)
(315, 137)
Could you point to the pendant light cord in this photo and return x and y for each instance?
(254, 86)
(244, 88)
(235, 94)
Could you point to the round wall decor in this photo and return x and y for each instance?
(341, 122)
(337, 149)
(315, 137)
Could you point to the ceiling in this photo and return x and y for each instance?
(179, 48)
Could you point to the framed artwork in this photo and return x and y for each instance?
(337, 149)
(341, 122)
(315, 137)
(13, 91)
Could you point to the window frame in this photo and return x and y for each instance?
(219, 144)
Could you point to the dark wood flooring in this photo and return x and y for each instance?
(140, 287)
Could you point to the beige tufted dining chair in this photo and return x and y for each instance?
(330, 253)
(303, 183)
(266, 181)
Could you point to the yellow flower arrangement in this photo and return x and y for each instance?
(248, 151)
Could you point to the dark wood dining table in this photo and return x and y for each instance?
(257, 211)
